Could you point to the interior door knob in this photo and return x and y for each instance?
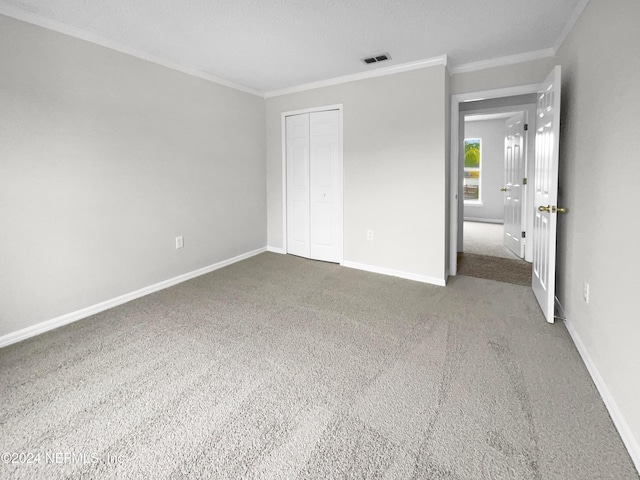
(504, 189)
(551, 209)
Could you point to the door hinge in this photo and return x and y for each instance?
(524, 181)
(526, 127)
(524, 234)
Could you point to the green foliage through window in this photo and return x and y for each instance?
(472, 163)
(472, 153)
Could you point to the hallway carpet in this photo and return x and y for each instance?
(505, 270)
(485, 239)
(283, 368)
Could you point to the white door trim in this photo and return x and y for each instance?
(283, 131)
(456, 100)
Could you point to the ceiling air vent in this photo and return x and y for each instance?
(377, 58)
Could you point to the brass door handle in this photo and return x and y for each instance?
(551, 209)
(504, 189)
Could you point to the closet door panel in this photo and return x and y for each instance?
(298, 206)
(324, 186)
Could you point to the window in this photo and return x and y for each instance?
(472, 166)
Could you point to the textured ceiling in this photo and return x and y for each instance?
(273, 44)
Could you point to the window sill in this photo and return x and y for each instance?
(475, 203)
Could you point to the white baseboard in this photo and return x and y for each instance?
(395, 273)
(632, 444)
(45, 326)
(276, 250)
(484, 220)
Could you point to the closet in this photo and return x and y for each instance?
(314, 185)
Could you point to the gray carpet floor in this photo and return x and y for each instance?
(485, 239)
(278, 367)
(495, 268)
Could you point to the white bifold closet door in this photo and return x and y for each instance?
(314, 229)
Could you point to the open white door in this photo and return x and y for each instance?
(515, 169)
(546, 193)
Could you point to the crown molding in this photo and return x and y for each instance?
(575, 15)
(40, 21)
(378, 72)
(527, 56)
(503, 61)
(43, 22)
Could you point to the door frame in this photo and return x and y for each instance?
(454, 190)
(283, 129)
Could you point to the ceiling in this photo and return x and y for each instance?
(269, 45)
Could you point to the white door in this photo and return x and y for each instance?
(325, 231)
(314, 186)
(514, 174)
(546, 193)
(297, 145)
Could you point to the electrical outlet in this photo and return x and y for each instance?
(179, 242)
(369, 234)
(585, 292)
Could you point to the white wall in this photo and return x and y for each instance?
(492, 133)
(394, 168)
(104, 160)
(525, 73)
(598, 238)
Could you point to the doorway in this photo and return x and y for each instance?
(497, 160)
(497, 106)
(545, 182)
(313, 185)
(544, 207)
